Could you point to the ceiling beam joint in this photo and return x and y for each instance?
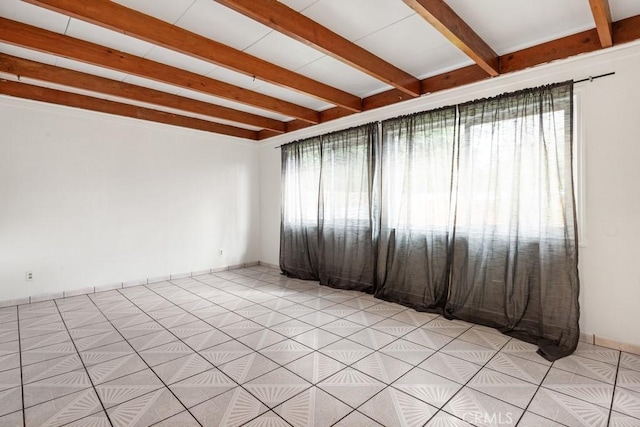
(457, 31)
(68, 99)
(113, 16)
(602, 16)
(287, 21)
(49, 73)
(30, 37)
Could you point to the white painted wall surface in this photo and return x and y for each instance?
(88, 199)
(610, 277)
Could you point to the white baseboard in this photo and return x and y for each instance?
(267, 264)
(12, 302)
(121, 285)
(159, 279)
(617, 345)
(200, 272)
(587, 338)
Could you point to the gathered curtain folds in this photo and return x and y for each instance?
(468, 211)
(417, 155)
(327, 228)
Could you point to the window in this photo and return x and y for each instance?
(416, 172)
(579, 164)
(476, 208)
(505, 177)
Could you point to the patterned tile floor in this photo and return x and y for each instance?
(251, 347)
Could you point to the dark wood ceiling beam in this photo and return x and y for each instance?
(265, 134)
(586, 41)
(116, 17)
(53, 96)
(457, 31)
(49, 73)
(30, 37)
(287, 21)
(624, 31)
(602, 16)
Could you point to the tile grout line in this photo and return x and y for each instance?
(366, 327)
(232, 339)
(485, 366)
(441, 409)
(236, 339)
(314, 327)
(145, 362)
(246, 318)
(615, 382)
(24, 414)
(582, 376)
(84, 366)
(346, 337)
(280, 365)
(236, 287)
(538, 387)
(389, 385)
(351, 365)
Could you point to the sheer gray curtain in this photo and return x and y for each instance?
(417, 159)
(328, 218)
(468, 211)
(301, 163)
(514, 243)
(478, 215)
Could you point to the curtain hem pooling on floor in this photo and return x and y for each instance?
(467, 211)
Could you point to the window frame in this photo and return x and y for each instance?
(579, 165)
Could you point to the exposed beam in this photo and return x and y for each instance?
(458, 32)
(24, 35)
(50, 73)
(602, 17)
(265, 134)
(586, 41)
(281, 18)
(53, 96)
(452, 79)
(624, 31)
(116, 17)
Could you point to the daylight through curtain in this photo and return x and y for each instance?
(514, 242)
(327, 229)
(416, 164)
(468, 211)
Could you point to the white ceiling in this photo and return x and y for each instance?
(387, 28)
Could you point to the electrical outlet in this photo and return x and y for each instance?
(221, 252)
(28, 276)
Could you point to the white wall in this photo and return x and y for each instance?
(88, 199)
(610, 277)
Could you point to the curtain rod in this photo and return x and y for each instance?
(592, 78)
(588, 79)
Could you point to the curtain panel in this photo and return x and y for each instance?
(328, 220)
(415, 204)
(467, 211)
(514, 258)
